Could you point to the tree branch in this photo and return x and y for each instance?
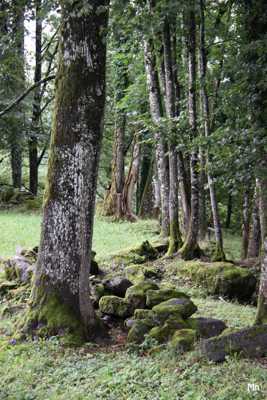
(25, 94)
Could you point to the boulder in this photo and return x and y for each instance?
(117, 286)
(183, 340)
(221, 278)
(137, 255)
(176, 308)
(206, 327)
(18, 268)
(249, 342)
(141, 313)
(164, 332)
(154, 297)
(134, 273)
(151, 272)
(138, 330)
(115, 306)
(136, 295)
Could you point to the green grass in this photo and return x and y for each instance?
(23, 230)
(45, 370)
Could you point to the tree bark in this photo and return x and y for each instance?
(229, 211)
(36, 112)
(175, 239)
(61, 295)
(245, 222)
(190, 247)
(156, 114)
(219, 252)
(255, 231)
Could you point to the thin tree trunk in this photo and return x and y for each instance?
(145, 196)
(219, 252)
(175, 239)
(229, 211)
(36, 112)
(190, 247)
(245, 223)
(156, 114)
(255, 231)
(61, 294)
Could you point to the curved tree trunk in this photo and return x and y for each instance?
(60, 297)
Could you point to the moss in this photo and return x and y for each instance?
(141, 313)
(139, 329)
(114, 305)
(134, 273)
(261, 317)
(137, 255)
(163, 333)
(5, 286)
(136, 295)
(221, 278)
(183, 340)
(175, 239)
(154, 297)
(189, 252)
(178, 308)
(10, 270)
(218, 254)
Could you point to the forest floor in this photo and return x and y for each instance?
(45, 369)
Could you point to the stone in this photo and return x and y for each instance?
(174, 308)
(154, 297)
(136, 295)
(134, 273)
(141, 313)
(151, 273)
(117, 286)
(183, 340)
(221, 278)
(206, 327)
(115, 306)
(138, 330)
(164, 332)
(250, 342)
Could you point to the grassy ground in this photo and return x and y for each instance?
(23, 230)
(45, 370)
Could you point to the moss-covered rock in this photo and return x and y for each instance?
(141, 313)
(183, 340)
(138, 330)
(151, 272)
(206, 327)
(135, 274)
(250, 342)
(174, 308)
(136, 295)
(154, 297)
(221, 278)
(137, 255)
(114, 305)
(164, 332)
(117, 285)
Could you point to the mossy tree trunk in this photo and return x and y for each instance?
(255, 231)
(63, 267)
(219, 252)
(113, 199)
(175, 239)
(156, 115)
(36, 112)
(245, 221)
(190, 248)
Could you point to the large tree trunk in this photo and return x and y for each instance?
(36, 112)
(156, 114)
(61, 295)
(190, 247)
(255, 231)
(175, 239)
(145, 190)
(219, 252)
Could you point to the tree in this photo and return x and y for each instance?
(61, 295)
